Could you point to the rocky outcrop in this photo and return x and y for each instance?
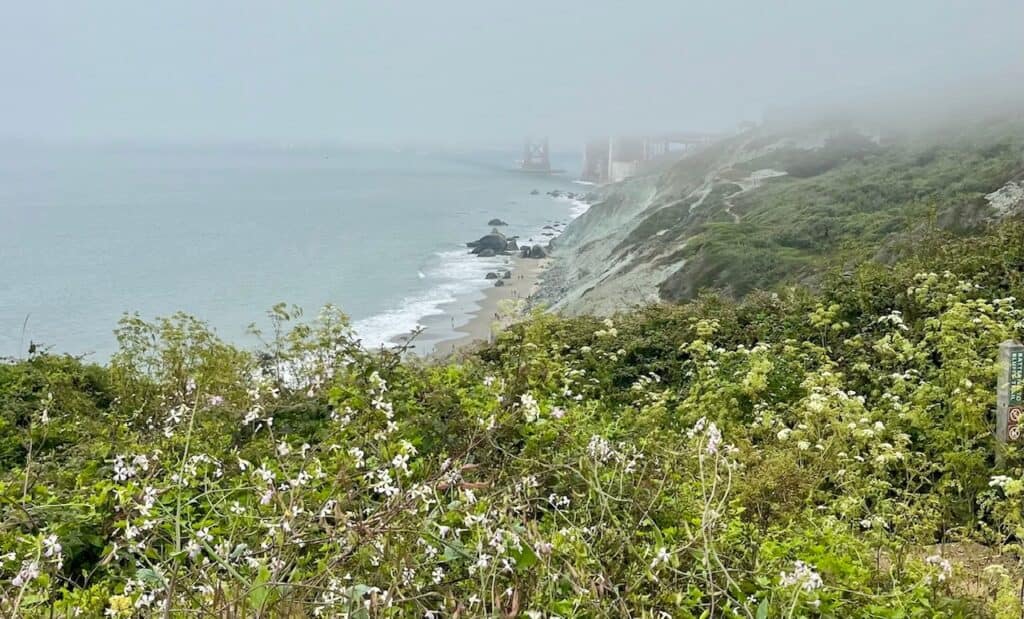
(1007, 201)
(485, 253)
(572, 195)
(499, 284)
(496, 222)
(495, 242)
(538, 252)
(491, 275)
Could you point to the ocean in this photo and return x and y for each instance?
(90, 233)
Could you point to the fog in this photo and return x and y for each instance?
(473, 72)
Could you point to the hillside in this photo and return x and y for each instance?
(781, 204)
(821, 453)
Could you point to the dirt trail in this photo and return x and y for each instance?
(728, 206)
(714, 176)
(751, 182)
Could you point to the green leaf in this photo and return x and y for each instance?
(259, 593)
(525, 558)
(148, 576)
(563, 607)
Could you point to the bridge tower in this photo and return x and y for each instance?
(535, 156)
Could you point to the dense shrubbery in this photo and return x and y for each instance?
(797, 454)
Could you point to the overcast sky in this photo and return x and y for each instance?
(470, 71)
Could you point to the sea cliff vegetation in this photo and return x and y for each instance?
(784, 203)
(808, 453)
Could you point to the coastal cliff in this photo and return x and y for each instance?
(781, 204)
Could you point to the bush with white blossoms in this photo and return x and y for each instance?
(800, 454)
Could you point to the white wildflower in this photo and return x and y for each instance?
(51, 547)
(600, 449)
(528, 404)
(803, 576)
(29, 571)
(714, 439)
(944, 566)
(661, 557)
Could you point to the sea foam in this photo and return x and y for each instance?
(576, 207)
(454, 275)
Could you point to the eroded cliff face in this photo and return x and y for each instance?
(778, 205)
(585, 277)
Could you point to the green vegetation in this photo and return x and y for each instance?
(805, 163)
(663, 218)
(803, 454)
(840, 203)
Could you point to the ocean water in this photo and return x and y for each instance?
(89, 233)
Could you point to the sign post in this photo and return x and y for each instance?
(1010, 394)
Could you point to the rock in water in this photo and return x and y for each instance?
(524, 251)
(506, 275)
(499, 284)
(491, 275)
(486, 253)
(512, 245)
(535, 192)
(494, 241)
(496, 222)
(538, 252)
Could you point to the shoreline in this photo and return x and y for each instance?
(469, 321)
(501, 306)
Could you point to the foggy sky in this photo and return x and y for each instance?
(472, 71)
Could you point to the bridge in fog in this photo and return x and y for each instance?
(537, 157)
(614, 158)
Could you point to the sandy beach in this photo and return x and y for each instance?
(500, 307)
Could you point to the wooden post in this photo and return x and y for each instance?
(1010, 394)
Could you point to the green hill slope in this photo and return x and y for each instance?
(776, 205)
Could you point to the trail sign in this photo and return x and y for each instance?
(1010, 393)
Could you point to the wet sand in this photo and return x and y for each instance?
(500, 307)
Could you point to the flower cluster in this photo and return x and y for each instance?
(803, 576)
